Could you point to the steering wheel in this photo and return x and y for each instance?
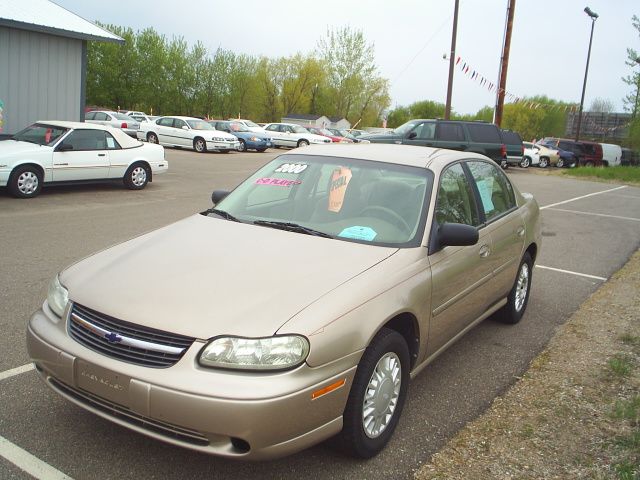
(390, 214)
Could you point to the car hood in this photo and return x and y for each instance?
(10, 148)
(245, 135)
(379, 136)
(204, 276)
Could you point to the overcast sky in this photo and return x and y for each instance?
(548, 47)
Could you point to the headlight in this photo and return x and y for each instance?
(254, 139)
(57, 297)
(271, 353)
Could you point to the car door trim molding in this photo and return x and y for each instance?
(461, 295)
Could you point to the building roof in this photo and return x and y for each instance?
(45, 16)
(301, 116)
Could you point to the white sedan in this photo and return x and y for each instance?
(291, 135)
(187, 132)
(53, 152)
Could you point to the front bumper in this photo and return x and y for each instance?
(223, 146)
(232, 414)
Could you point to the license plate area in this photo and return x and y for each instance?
(103, 382)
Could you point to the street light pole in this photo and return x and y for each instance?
(452, 56)
(593, 16)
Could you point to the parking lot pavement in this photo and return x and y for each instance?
(585, 241)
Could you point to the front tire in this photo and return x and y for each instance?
(526, 161)
(518, 298)
(242, 147)
(544, 162)
(377, 396)
(199, 145)
(25, 182)
(560, 163)
(137, 176)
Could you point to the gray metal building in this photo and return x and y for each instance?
(43, 60)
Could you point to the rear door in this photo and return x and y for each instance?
(503, 221)
(275, 134)
(451, 135)
(164, 127)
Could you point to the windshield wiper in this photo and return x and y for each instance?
(221, 213)
(292, 227)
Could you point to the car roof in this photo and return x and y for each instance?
(433, 158)
(74, 125)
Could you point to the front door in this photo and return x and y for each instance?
(82, 155)
(461, 276)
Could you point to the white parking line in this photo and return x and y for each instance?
(16, 371)
(29, 463)
(596, 214)
(581, 197)
(593, 277)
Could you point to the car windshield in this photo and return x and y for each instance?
(40, 134)
(238, 127)
(199, 125)
(347, 199)
(324, 131)
(121, 116)
(406, 128)
(249, 123)
(299, 129)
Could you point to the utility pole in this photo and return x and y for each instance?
(452, 57)
(504, 64)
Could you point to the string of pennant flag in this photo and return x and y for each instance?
(475, 75)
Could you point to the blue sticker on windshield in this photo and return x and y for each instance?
(358, 233)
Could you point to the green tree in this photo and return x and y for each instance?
(633, 79)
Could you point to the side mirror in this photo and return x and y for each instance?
(64, 147)
(457, 235)
(412, 135)
(218, 195)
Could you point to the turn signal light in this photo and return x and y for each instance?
(327, 389)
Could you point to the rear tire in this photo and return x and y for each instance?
(152, 138)
(544, 162)
(137, 176)
(560, 163)
(303, 143)
(518, 298)
(379, 389)
(526, 161)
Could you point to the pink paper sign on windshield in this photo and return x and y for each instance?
(339, 183)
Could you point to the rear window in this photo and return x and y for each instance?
(449, 131)
(511, 138)
(484, 133)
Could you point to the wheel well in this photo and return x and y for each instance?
(151, 133)
(407, 325)
(532, 250)
(37, 167)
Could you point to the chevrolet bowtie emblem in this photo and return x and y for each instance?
(112, 337)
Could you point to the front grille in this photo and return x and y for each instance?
(126, 341)
(117, 411)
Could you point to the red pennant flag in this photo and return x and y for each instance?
(458, 61)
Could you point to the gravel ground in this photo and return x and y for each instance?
(575, 413)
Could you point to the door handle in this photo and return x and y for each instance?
(484, 251)
(101, 154)
(520, 231)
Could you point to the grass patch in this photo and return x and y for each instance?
(626, 470)
(620, 365)
(631, 340)
(627, 409)
(622, 174)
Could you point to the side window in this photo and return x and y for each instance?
(425, 131)
(178, 123)
(455, 203)
(90, 116)
(484, 133)
(272, 128)
(165, 122)
(450, 131)
(82, 140)
(496, 192)
(101, 116)
(112, 144)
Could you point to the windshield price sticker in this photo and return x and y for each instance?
(359, 233)
(339, 183)
(277, 182)
(291, 168)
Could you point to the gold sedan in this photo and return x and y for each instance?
(296, 309)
